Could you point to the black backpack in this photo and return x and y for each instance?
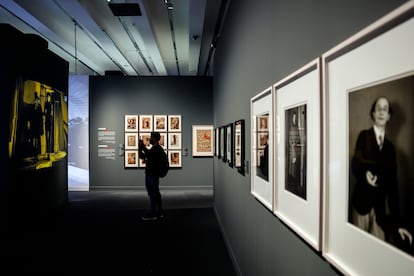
(164, 166)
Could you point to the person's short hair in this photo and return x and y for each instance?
(390, 111)
(156, 135)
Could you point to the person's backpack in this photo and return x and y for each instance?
(164, 166)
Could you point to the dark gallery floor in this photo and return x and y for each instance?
(101, 232)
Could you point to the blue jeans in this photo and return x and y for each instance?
(152, 184)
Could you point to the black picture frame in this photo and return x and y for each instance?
(217, 142)
(222, 145)
(239, 147)
(229, 146)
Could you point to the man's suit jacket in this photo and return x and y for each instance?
(382, 163)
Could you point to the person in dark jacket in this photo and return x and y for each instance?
(375, 197)
(153, 159)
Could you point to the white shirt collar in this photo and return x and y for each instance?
(379, 132)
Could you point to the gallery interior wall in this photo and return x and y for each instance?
(261, 43)
(112, 97)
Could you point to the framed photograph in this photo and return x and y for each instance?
(146, 138)
(229, 145)
(131, 123)
(145, 123)
(369, 90)
(261, 109)
(298, 151)
(131, 159)
(163, 140)
(222, 143)
(203, 140)
(174, 122)
(263, 123)
(131, 140)
(217, 142)
(262, 138)
(160, 123)
(239, 146)
(174, 156)
(174, 140)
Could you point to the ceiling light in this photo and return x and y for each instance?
(169, 5)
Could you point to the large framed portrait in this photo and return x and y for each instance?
(131, 123)
(261, 109)
(131, 140)
(369, 91)
(174, 122)
(131, 159)
(203, 140)
(229, 145)
(160, 123)
(174, 140)
(174, 157)
(239, 149)
(297, 183)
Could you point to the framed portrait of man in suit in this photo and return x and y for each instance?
(369, 94)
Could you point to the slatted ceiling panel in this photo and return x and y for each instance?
(135, 45)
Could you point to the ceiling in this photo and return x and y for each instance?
(169, 38)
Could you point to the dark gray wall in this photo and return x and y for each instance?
(262, 42)
(111, 97)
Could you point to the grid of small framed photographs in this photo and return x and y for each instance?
(139, 127)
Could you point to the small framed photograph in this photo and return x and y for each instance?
(174, 157)
(261, 109)
(160, 123)
(222, 143)
(263, 123)
(239, 146)
(174, 123)
(163, 140)
(131, 140)
(217, 142)
(262, 138)
(203, 140)
(174, 140)
(368, 190)
(145, 123)
(146, 138)
(131, 159)
(229, 145)
(131, 123)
